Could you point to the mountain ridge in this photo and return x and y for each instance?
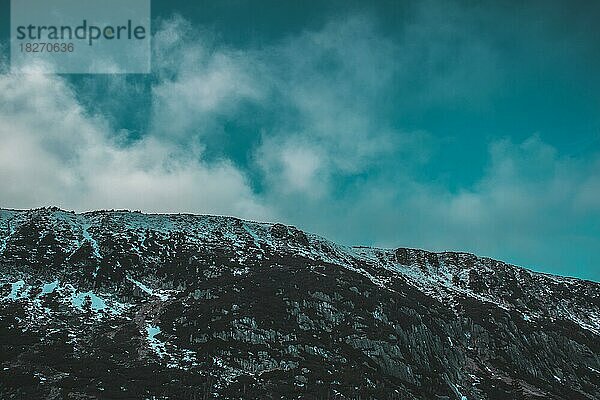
(190, 214)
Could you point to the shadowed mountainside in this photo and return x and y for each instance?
(125, 305)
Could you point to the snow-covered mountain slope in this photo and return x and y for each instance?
(118, 304)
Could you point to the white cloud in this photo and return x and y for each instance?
(293, 166)
(52, 152)
(197, 82)
(330, 82)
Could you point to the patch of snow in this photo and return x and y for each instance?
(98, 303)
(155, 344)
(457, 391)
(253, 234)
(15, 290)
(49, 287)
(152, 331)
(241, 271)
(144, 288)
(87, 236)
(148, 290)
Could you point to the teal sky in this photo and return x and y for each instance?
(432, 124)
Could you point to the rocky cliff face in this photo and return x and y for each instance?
(122, 305)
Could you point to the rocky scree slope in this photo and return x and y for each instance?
(124, 305)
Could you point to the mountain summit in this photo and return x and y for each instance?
(125, 305)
